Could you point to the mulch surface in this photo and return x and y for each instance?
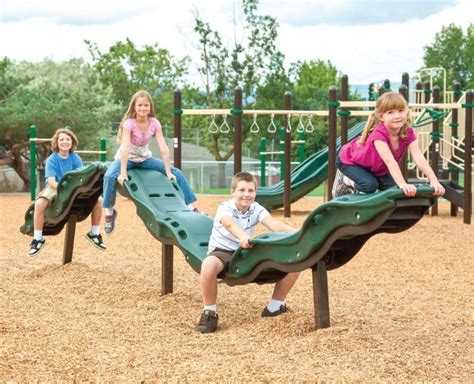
(402, 309)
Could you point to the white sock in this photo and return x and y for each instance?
(212, 307)
(95, 229)
(109, 211)
(274, 305)
(38, 234)
(190, 206)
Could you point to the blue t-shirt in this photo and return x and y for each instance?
(57, 166)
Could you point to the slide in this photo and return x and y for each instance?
(335, 230)
(78, 191)
(305, 177)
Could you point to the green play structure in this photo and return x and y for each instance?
(331, 235)
(78, 192)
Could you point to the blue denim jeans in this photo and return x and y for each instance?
(365, 181)
(113, 172)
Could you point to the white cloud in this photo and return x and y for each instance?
(57, 29)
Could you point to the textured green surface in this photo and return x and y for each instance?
(304, 178)
(160, 205)
(78, 191)
(345, 211)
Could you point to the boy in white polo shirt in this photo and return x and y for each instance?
(233, 227)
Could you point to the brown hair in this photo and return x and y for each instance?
(242, 176)
(67, 131)
(387, 101)
(130, 114)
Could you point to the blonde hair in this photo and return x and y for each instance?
(386, 102)
(67, 131)
(131, 114)
(242, 176)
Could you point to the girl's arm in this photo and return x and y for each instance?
(165, 153)
(229, 223)
(124, 152)
(424, 167)
(52, 182)
(275, 225)
(393, 167)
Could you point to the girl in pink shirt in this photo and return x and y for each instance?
(137, 128)
(370, 162)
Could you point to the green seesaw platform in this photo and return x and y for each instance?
(78, 192)
(331, 235)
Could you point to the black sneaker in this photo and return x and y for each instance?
(36, 246)
(283, 309)
(340, 188)
(109, 223)
(207, 322)
(96, 241)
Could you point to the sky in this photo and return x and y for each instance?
(369, 40)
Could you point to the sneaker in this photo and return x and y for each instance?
(340, 188)
(207, 322)
(109, 224)
(36, 246)
(196, 210)
(283, 309)
(96, 241)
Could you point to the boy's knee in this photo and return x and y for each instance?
(211, 266)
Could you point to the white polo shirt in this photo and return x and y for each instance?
(221, 237)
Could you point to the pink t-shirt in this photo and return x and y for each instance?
(367, 156)
(137, 137)
(139, 150)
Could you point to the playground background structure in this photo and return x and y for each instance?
(446, 146)
(449, 153)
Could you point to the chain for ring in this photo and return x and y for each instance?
(254, 128)
(272, 128)
(213, 127)
(224, 128)
(300, 127)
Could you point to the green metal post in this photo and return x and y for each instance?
(263, 158)
(103, 148)
(282, 156)
(33, 162)
(301, 147)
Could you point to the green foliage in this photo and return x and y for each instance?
(53, 95)
(127, 69)
(453, 50)
(249, 62)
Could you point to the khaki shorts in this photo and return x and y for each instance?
(223, 255)
(49, 193)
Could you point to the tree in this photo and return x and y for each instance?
(248, 63)
(50, 95)
(126, 69)
(454, 51)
